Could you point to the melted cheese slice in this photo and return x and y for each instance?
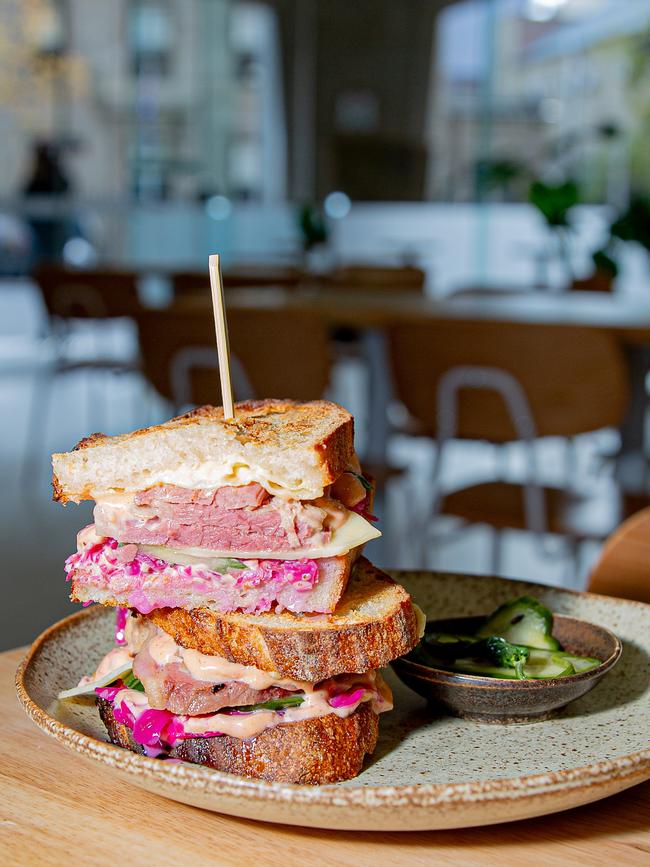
(215, 474)
(104, 680)
(354, 532)
(420, 619)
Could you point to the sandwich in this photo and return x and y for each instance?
(267, 511)
(249, 629)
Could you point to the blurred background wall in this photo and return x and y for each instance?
(369, 165)
(167, 113)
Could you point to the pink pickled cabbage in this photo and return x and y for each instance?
(302, 574)
(123, 714)
(109, 692)
(155, 728)
(345, 699)
(361, 508)
(149, 582)
(158, 731)
(120, 623)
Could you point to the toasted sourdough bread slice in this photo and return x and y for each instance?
(332, 581)
(290, 448)
(314, 751)
(374, 622)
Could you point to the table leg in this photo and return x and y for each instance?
(633, 427)
(632, 465)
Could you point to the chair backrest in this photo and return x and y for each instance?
(243, 276)
(283, 353)
(451, 385)
(623, 568)
(376, 278)
(197, 361)
(87, 294)
(574, 378)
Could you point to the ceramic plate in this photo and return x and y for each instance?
(428, 771)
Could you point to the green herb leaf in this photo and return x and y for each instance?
(130, 681)
(274, 704)
(518, 666)
(364, 481)
(230, 563)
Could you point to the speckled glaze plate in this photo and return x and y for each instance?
(428, 771)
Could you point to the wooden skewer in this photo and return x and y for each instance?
(221, 331)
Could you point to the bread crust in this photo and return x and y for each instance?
(252, 427)
(315, 751)
(374, 623)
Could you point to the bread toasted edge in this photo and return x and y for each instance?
(301, 646)
(311, 648)
(334, 451)
(315, 751)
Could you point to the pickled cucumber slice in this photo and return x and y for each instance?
(537, 669)
(523, 621)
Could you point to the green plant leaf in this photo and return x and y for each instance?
(634, 223)
(554, 201)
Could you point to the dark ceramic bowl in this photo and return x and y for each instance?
(496, 700)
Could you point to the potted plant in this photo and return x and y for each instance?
(554, 202)
(632, 224)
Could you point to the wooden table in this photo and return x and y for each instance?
(57, 808)
(629, 320)
(374, 311)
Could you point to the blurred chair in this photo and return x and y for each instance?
(623, 568)
(192, 371)
(503, 383)
(367, 348)
(87, 294)
(75, 300)
(242, 276)
(275, 354)
(374, 278)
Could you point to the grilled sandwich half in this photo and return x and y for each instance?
(249, 629)
(267, 511)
